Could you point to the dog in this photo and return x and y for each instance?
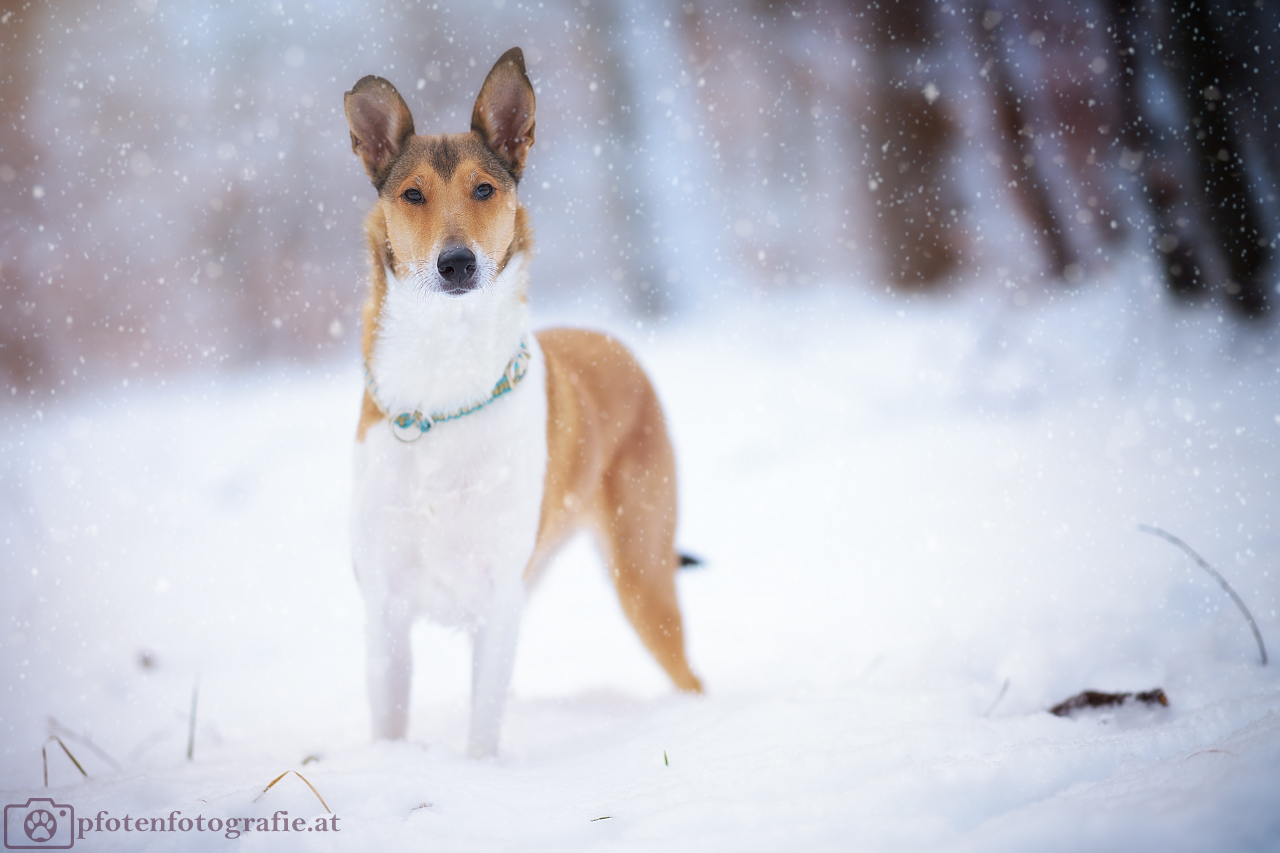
(481, 447)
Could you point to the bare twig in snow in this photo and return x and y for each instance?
(1169, 537)
(1004, 689)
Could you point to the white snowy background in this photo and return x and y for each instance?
(918, 512)
(902, 505)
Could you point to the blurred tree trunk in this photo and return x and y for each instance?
(1017, 133)
(1148, 154)
(1210, 87)
(23, 349)
(911, 143)
(627, 197)
(1201, 176)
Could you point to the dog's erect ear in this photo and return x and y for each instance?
(380, 123)
(503, 115)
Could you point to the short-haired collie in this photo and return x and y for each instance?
(482, 447)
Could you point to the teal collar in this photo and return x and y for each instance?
(410, 426)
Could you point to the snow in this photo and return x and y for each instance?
(903, 505)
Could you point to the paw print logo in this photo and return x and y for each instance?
(40, 825)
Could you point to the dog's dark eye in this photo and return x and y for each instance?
(413, 196)
(482, 192)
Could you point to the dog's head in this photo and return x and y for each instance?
(452, 220)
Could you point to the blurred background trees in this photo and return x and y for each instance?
(177, 189)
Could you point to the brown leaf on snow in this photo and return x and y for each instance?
(1098, 699)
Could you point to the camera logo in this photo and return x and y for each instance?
(40, 824)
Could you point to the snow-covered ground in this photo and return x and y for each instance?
(904, 506)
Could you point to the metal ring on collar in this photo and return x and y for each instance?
(411, 427)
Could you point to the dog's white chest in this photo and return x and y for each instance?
(442, 522)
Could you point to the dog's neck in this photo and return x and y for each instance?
(435, 352)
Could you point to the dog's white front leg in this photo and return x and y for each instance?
(390, 666)
(492, 659)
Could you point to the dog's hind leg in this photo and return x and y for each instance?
(637, 523)
(493, 656)
(390, 666)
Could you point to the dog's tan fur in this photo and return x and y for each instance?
(611, 466)
(610, 462)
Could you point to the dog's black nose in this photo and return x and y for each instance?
(457, 266)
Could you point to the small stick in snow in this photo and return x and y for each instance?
(191, 725)
(44, 758)
(1169, 537)
(606, 817)
(1003, 690)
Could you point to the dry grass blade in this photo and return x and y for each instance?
(44, 757)
(1003, 690)
(87, 742)
(1169, 537)
(191, 725)
(304, 779)
(271, 784)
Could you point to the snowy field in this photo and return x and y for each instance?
(904, 506)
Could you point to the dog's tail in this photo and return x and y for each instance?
(688, 561)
